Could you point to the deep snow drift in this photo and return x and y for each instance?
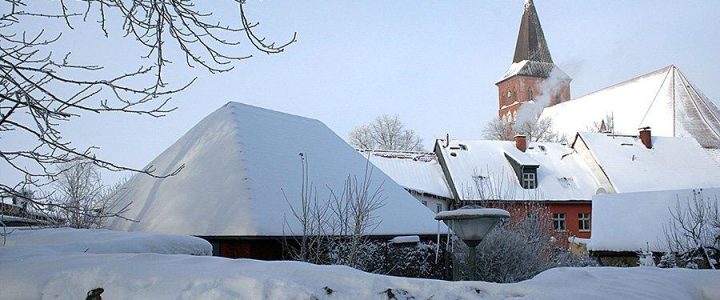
(71, 271)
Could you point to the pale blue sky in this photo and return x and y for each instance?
(432, 62)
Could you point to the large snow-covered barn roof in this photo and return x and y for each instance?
(241, 162)
(635, 221)
(672, 163)
(560, 175)
(416, 171)
(664, 100)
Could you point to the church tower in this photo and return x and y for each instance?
(532, 77)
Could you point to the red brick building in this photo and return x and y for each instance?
(523, 178)
(532, 76)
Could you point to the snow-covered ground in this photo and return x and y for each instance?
(67, 263)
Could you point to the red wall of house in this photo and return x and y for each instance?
(570, 209)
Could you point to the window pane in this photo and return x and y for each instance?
(584, 221)
(559, 221)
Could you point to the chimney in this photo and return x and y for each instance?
(521, 142)
(646, 137)
(447, 140)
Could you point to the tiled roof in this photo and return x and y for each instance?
(531, 43)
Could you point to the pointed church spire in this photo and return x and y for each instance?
(531, 43)
(527, 79)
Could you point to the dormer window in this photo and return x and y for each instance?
(528, 180)
(525, 169)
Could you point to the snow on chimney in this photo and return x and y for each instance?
(646, 137)
(521, 142)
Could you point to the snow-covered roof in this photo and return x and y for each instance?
(470, 213)
(672, 163)
(664, 100)
(635, 221)
(483, 163)
(416, 171)
(241, 162)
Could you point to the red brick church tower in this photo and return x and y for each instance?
(532, 77)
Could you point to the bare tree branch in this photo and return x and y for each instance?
(385, 133)
(42, 87)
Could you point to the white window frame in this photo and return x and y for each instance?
(582, 218)
(559, 219)
(529, 180)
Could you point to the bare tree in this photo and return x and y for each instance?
(385, 133)
(505, 129)
(80, 199)
(41, 86)
(607, 124)
(501, 129)
(335, 231)
(693, 230)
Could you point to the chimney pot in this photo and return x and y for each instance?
(521, 142)
(646, 137)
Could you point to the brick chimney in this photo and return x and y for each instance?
(521, 142)
(646, 137)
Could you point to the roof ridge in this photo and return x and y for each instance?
(395, 151)
(665, 69)
(687, 85)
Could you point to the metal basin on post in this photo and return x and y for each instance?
(471, 224)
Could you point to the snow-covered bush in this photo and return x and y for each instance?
(384, 257)
(668, 260)
(700, 258)
(415, 260)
